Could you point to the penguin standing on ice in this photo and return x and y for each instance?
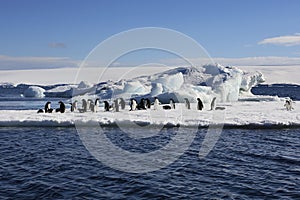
(288, 104)
(148, 103)
(187, 103)
(199, 104)
(133, 104)
(106, 106)
(62, 107)
(83, 106)
(156, 103)
(122, 103)
(213, 104)
(172, 103)
(116, 102)
(96, 105)
(73, 106)
(141, 105)
(48, 108)
(91, 105)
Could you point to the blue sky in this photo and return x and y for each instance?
(63, 32)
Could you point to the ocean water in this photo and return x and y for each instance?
(53, 163)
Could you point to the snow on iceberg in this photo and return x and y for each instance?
(34, 91)
(204, 82)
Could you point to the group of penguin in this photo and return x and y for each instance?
(48, 109)
(200, 105)
(90, 105)
(145, 103)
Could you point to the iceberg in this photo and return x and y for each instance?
(227, 84)
(205, 82)
(34, 91)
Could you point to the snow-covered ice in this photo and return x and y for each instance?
(262, 114)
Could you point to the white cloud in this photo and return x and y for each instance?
(287, 40)
(19, 63)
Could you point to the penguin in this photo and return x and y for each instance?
(73, 106)
(62, 107)
(96, 104)
(90, 104)
(122, 103)
(40, 111)
(172, 103)
(106, 106)
(288, 104)
(84, 106)
(148, 103)
(213, 104)
(187, 103)
(116, 105)
(141, 105)
(48, 108)
(156, 103)
(133, 104)
(199, 104)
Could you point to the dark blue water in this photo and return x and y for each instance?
(281, 90)
(52, 163)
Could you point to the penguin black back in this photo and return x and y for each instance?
(84, 105)
(106, 106)
(148, 103)
(62, 107)
(141, 105)
(199, 104)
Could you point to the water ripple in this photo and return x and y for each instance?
(52, 163)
